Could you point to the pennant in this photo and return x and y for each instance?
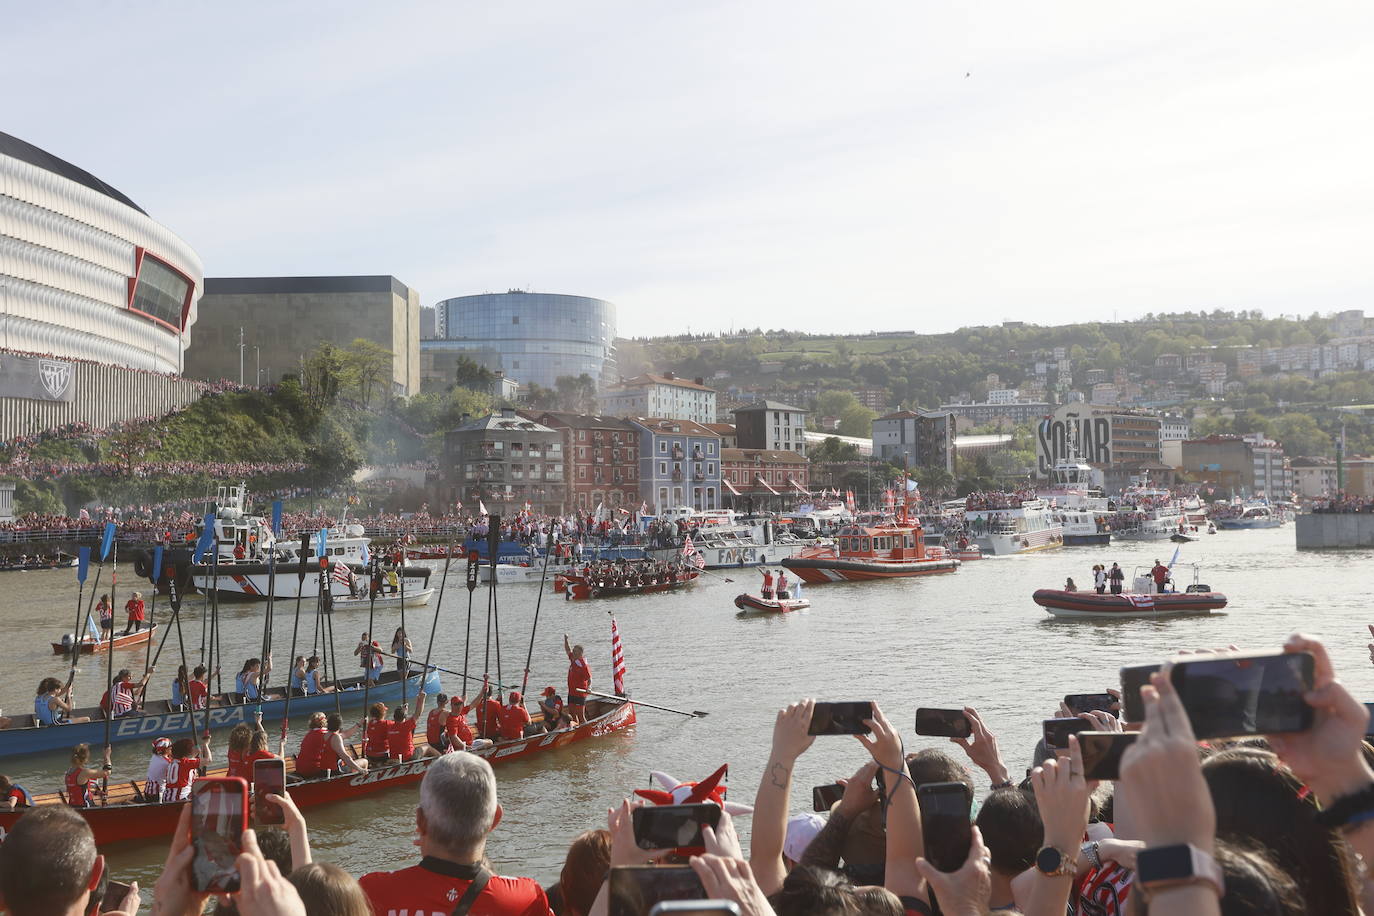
(366, 554)
(1175, 557)
(107, 541)
(276, 518)
(157, 564)
(83, 563)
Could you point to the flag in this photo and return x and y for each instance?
(691, 555)
(322, 542)
(617, 661)
(644, 508)
(157, 564)
(186, 516)
(1175, 557)
(366, 554)
(107, 540)
(912, 486)
(84, 516)
(481, 508)
(342, 574)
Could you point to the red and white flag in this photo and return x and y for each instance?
(617, 661)
(342, 573)
(691, 554)
(186, 516)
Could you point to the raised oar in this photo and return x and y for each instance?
(694, 714)
(465, 677)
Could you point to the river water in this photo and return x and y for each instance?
(969, 638)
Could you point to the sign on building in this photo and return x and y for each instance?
(37, 378)
(1072, 434)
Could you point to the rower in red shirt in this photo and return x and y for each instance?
(184, 767)
(436, 724)
(81, 780)
(460, 734)
(514, 717)
(199, 688)
(579, 680)
(375, 747)
(488, 714)
(400, 733)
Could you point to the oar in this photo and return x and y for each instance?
(708, 572)
(694, 714)
(449, 671)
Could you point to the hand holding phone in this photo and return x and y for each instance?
(634, 890)
(840, 718)
(946, 827)
(1133, 677)
(116, 893)
(269, 778)
(943, 723)
(1102, 753)
(1057, 731)
(823, 798)
(1227, 696)
(1078, 703)
(219, 815)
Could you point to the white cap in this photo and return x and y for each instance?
(801, 830)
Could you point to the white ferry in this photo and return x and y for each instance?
(1019, 526)
(725, 539)
(1078, 504)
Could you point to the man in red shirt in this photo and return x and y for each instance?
(579, 680)
(457, 812)
(436, 726)
(134, 609)
(514, 717)
(400, 733)
(1161, 575)
(488, 714)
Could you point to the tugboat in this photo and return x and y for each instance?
(889, 550)
(1141, 601)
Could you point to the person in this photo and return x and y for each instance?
(51, 866)
(370, 655)
(1115, 577)
(1160, 574)
(126, 699)
(513, 718)
(460, 735)
(489, 714)
(328, 890)
(252, 745)
(199, 688)
(374, 736)
(1012, 829)
(13, 796)
(1069, 586)
(298, 677)
(247, 681)
(401, 648)
(767, 591)
(400, 733)
(323, 751)
(239, 553)
(393, 582)
(133, 608)
(159, 769)
(551, 706)
(187, 759)
(80, 780)
(579, 680)
(457, 812)
(436, 724)
(1099, 579)
(181, 688)
(782, 587)
(53, 704)
(584, 869)
(105, 612)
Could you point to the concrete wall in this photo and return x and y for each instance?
(1323, 529)
(104, 395)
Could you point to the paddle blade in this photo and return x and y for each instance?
(157, 565)
(83, 563)
(276, 517)
(107, 541)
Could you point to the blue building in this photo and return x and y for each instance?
(679, 464)
(534, 338)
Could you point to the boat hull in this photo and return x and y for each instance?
(575, 588)
(1001, 545)
(818, 570)
(253, 580)
(417, 598)
(1090, 604)
(754, 604)
(1245, 524)
(89, 646)
(1097, 539)
(735, 557)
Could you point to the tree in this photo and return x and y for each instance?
(934, 480)
(857, 421)
(470, 374)
(1301, 435)
(577, 394)
(539, 397)
(323, 375)
(366, 367)
(833, 450)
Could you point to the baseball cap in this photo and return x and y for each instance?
(801, 830)
(548, 692)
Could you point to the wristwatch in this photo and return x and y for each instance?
(1171, 866)
(1055, 863)
(1089, 850)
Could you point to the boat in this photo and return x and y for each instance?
(125, 815)
(1009, 524)
(1078, 504)
(726, 540)
(967, 552)
(91, 643)
(388, 601)
(755, 604)
(887, 550)
(1142, 600)
(159, 717)
(1178, 538)
(578, 586)
(29, 564)
(1248, 516)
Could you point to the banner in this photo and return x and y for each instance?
(157, 564)
(37, 378)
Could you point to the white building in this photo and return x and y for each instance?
(1174, 426)
(664, 396)
(1273, 476)
(1003, 396)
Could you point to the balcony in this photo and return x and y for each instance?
(677, 477)
(678, 454)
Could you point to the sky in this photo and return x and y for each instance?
(827, 167)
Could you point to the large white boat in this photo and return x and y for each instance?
(725, 539)
(1249, 515)
(1149, 514)
(1078, 503)
(1014, 525)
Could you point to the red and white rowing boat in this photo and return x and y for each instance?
(89, 645)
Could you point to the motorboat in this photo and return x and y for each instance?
(1005, 523)
(1247, 516)
(749, 604)
(1142, 600)
(884, 550)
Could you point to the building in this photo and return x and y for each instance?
(280, 321)
(727, 432)
(754, 479)
(865, 446)
(537, 338)
(1105, 393)
(1003, 396)
(917, 439)
(874, 398)
(665, 395)
(1242, 465)
(1012, 414)
(1174, 426)
(679, 464)
(427, 325)
(1314, 478)
(1167, 366)
(505, 461)
(1213, 377)
(1100, 436)
(771, 425)
(601, 459)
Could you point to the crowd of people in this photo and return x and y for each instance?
(49, 469)
(998, 499)
(1275, 825)
(1344, 504)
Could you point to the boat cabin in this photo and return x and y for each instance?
(881, 542)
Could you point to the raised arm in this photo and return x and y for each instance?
(1061, 793)
(790, 741)
(904, 841)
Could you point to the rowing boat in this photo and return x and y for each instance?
(389, 601)
(159, 717)
(126, 816)
(89, 645)
(577, 587)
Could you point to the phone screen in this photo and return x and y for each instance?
(269, 778)
(840, 718)
(945, 824)
(673, 826)
(219, 814)
(1057, 731)
(1102, 753)
(1246, 695)
(634, 889)
(1090, 702)
(823, 798)
(1133, 677)
(115, 892)
(943, 723)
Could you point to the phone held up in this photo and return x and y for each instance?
(946, 828)
(635, 890)
(840, 718)
(115, 892)
(1228, 696)
(1102, 752)
(1057, 731)
(219, 815)
(1079, 703)
(673, 826)
(823, 798)
(269, 778)
(943, 723)
(1133, 677)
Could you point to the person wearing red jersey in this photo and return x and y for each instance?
(374, 737)
(460, 736)
(127, 697)
(435, 724)
(323, 750)
(246, 744)
(199, 688)
(551, 706)
(80, 781)
(185, 764)
(579, 680)
(400, 733)
(13, 796)
(513, 718)
(489, 714)
(133, 609)
(458, 810)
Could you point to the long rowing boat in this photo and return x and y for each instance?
(126, 816)
(226, 711)
(89, 645)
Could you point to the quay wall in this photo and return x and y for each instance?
(101, 396)
(1327, 530)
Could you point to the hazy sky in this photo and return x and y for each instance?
(824, 166)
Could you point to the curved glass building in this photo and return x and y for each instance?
(531, 337)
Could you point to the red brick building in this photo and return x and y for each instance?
(759, 478)
(601, 458)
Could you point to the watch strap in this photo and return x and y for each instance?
(1152, 876)
(1068, 862)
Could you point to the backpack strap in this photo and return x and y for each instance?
(479, 884)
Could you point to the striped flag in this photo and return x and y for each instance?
(691, 555)
(186, 516)
(617, 661)
(342, 574)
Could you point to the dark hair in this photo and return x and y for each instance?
(47, 684)
(328, 890)
(334, 722)
(1012, 829)
(377, 710)
(182, 747)
(48, 858)
(934, 765)
(584, 869)
(276, 847)
(1260, 802)
(250, 663)
(1255, 886)
(402, 713)
(198, 670)
(809, 890)
(878, 901)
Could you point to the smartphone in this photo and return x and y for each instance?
(1102, 753)
(840, 718)
(115, 892)
(1260, 694)
(673, 826)
(1057, 731)
(946, 826)
(1133, 677)
(269, 778)
(823, 798)
(636, 889)
(219, 815)
(1090, 702)
(695, 908)
(943, 723)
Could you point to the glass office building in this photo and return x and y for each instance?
(533, 338)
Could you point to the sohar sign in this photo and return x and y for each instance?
(1074, 432)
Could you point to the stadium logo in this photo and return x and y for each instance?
(55, 377)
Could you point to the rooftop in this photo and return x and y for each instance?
(769, 455)
(769, 405)
(26, 152)
(577, 420)
(649, 378)
(674, 427)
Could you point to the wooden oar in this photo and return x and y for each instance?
(694, 714)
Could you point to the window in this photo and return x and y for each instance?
(581, 435)
(710, 497)
(663, 446)
(515, 319)
(866, 548)
(710, 469)
(662, 496)
(710, 448)
(159, 292)
(663, 467)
